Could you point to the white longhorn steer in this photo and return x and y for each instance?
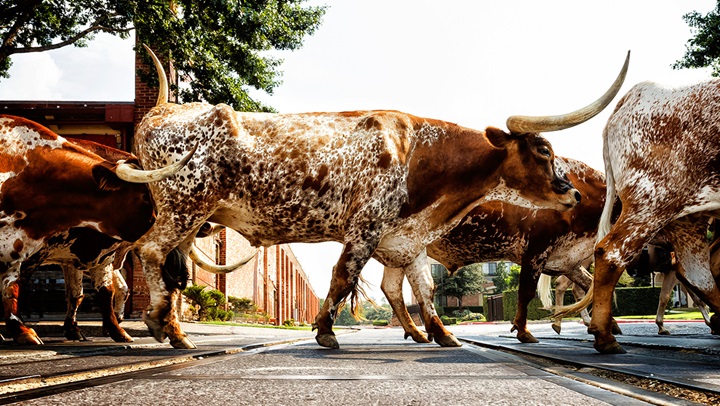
(383, 183)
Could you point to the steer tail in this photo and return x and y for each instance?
(604, 224)
(357, 295)
(543, 290)
(577, 307)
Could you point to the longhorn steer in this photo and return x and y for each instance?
(63, 204)
(662, 160)
(541, 241)
(383, 183)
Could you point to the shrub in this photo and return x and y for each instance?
(448, 320)
(289, 323)
(380, 322)
(242, 304)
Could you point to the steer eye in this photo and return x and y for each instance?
(544, 151)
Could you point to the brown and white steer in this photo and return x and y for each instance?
(541, 241)
(662, 160)
(383, 183)
(61, 203)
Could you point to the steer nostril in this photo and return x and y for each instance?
(578, 196)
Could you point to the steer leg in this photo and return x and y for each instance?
(668, 283)
(344, 281)
(392, 287)
(687, 236)
(153, 249)
(74, 296)
(10, 293)
(526, 292)
(561, 285)
(612, 254)
(420, 278)
(103, 279)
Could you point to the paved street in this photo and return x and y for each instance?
(373, 366)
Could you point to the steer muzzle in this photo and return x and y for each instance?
(569, 196)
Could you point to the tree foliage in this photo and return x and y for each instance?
(217, 47)
(502, 278)
(703, 49)
(466, 281)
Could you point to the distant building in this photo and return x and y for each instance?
(489, 270)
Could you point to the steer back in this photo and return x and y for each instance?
(50, 185)
(545, 239)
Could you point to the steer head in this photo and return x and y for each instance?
(529, 168)
(528, 171)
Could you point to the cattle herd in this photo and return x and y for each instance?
(385, 184)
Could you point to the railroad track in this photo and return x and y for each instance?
(652, 373)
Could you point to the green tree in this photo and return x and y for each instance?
(502, 278)
(703, 49)
(514, 276)
(217, 47)
(466, 281)
(376, 312)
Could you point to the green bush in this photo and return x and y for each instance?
(289, 323)
(467, 315)
(636, 301)
(535, 311)
(629, 301)
(448, 320)
(474, 309)
(380, 322)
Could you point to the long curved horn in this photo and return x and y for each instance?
(218, 269)
(163, 92)
(536, 124)
(130, 173)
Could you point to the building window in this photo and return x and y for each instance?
(490, 268)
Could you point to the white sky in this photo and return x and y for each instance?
(470, 62)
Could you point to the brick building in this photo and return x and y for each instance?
(273, 280)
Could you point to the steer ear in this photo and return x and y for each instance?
(106, 178)
(497, 137)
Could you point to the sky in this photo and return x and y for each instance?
(473, 63)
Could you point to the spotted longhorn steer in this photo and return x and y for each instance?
(541, 241)
(662, 160)
(383, 183)
(63, 204)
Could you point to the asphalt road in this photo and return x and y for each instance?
(372, 367)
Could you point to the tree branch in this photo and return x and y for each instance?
(24, 18)
(69, 41)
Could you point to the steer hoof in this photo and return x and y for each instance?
(609, 348)
(182, 344)
(29, 338)
(119, 336)
(557, 328)
(327, 340)
(615, 328)
(527, 337)
(447, 341)
(418, 337)
(75, 335)
(663, 332)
